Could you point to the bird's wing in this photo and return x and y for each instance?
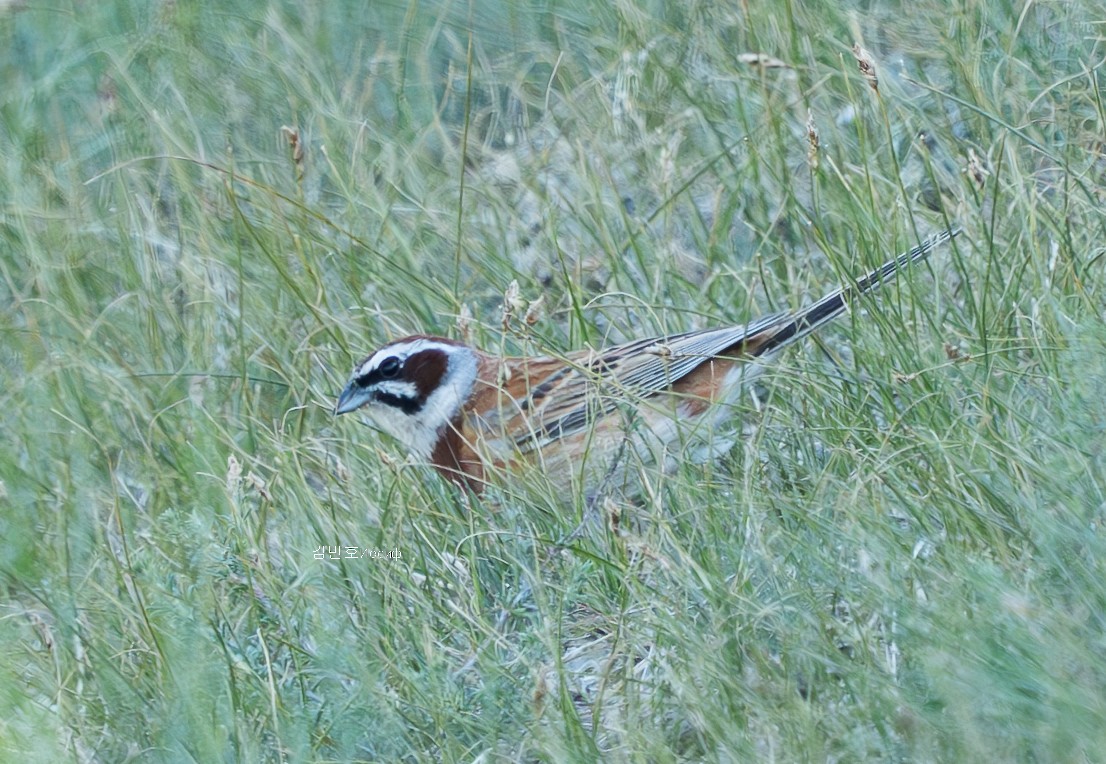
(594, 383)
(586, 386)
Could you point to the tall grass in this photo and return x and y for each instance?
(207, 214)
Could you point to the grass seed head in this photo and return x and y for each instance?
(867, 65)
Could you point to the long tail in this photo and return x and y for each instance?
(829, 307)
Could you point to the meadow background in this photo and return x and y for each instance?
(208, 214)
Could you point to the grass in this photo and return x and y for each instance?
(899, 561)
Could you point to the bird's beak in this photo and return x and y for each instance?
(351, 399)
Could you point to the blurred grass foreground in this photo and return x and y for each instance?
(207, 214)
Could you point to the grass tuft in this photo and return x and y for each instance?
(208, 214)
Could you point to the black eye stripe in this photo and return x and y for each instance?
(404, 403)
(389, 368)
(404, 381)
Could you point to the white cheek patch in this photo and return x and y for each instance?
(399, 389)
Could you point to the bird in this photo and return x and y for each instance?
(578, 417)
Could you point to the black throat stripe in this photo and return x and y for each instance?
(407, 405)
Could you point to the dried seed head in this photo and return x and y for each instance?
(259, 485)
(512, 303)
(534, 311)
(976, 168)
(614, 515)
(812, 141)
(234, 474)
(464, 323)
(295, 145)
(955, 355)
(867, 65)
(541, 689)
(341, 471)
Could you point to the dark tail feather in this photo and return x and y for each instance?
(829, 307)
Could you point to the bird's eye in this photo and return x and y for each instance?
(389, 367)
